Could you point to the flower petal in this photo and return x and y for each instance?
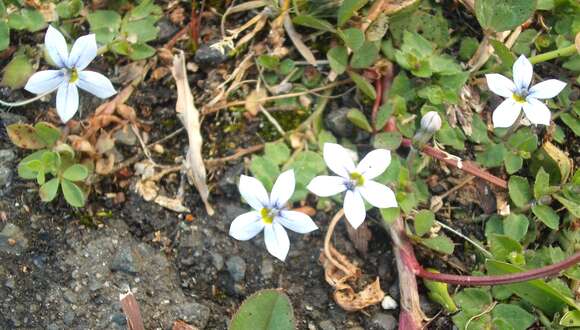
(523, 72)
(67, 101)
(506, 113)
(338, 159)
(500, 84)
(326, 185)
(44, 81)
(96, 84)
(283, 189)
(83, 52)
(56, 47)
(537, 112)
(296, 221)
(253, 192)
(547, 89)
(277, 242)
(246, 226)
(378, 195)
(354, 208)
(374, 163)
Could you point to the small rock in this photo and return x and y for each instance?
(427, 306)
(338, 123)
(119, 319)
(236, 267)
(267, 268)
(326, 325)
(388, 303)
(228, 183)
(10, 283)
(12, 240)
(383, 321)
(5, 176)
(9, 118)
(217, 260)
(209, 57)
(6, 156)
(194, 313)
(166, 30)
(125, 136)
(123, 261)
(68, 317)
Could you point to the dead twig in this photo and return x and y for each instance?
(131, 309)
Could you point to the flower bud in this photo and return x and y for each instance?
(431, 122)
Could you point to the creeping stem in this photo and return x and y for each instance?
(562, 52)
(25, 102)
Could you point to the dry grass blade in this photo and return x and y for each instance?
(189, 116)
(131, 309)
(297, 40)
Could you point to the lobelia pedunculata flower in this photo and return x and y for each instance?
(270, 214)
(71, 73)
(519, 95)
(355, 180)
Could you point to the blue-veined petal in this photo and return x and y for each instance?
(45, 81)
(547, 89)
(246, 226)
(537, 112)
(96, 84)
(253, 192)
(338, 159)
(354, 208)
(374, 163)
(83, 52)
(296, 221)
(327, 185)
(378, 195)
(283, 189)
(276, 239)
(67, 101)
(506, 113)
(500, 84)
(523, 72)
(56, 47)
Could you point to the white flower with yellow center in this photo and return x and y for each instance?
(270, 214)
(520, 96)
(355, 180)
(71, 73)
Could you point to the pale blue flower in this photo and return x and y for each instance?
(71, 73)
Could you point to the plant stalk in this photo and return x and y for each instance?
(562, 52)
(25, 102)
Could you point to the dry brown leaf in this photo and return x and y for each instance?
(147, 189)
(173, 204)
(252, 101)
(127, 112)
(81, 144)
(130, 307)
(189, 116)
(105, 164)
(180, 325)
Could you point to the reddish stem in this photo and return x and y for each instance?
(377, 104)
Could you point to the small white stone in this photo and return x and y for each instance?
(389, 303)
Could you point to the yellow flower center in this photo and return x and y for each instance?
(518, 98)
(266, 216)
(357, 178)
(74, 76)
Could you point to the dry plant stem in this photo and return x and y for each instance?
(411, 316)
(327, 239)
(131, 309)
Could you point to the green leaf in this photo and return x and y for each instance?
(503, 247)
(519, 190)
(313, 22)
(444, 65)
(4, 35)
(493, 155)
(29, 19)
(571, 121)
(383, 115)
(348, 8)
(105, 24)
(264, 170)
(49, 189)
(17, 72)
(76, 172)
(24, 171)
(69, 9)
(24, 136)
(571, 319)
(415, 44)
(516, 226)
(353, 38)
(536, 292)
(338, 59)
(573, 207)
(387, 140)
(140, 51)
(265, 310)
(547, 216)
(269, 62)
(524, 140)
(542, 183)
(439, 293)
(467, 48)
(364, 86)
(423, 222)
(73, 194)
(141, 30)
(473, 299)
(365, 56)
(306, 165)
(47, 133)
(515, 316)
(277, 152)
(439, 243)
(502, 15)
(359, 119)
(513, 163)
(390, 214)
(554, 161)
(505, 55)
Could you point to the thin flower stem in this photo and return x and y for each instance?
(25, 102)
(562, 52)
(474, 243)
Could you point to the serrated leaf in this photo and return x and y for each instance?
(72, 193)
(49, 190)
(76, 172)
(313, 22)
(519, 190)
(363, 85)
(547, 216)
(439, 243)
(265, 310)
(24, 136)
(423, 222)
(359, 119)
(338, 59)
(502, 15)
(348, 8)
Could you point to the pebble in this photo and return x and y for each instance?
(236, 267)
(388, 303)
(384, 321)
(267, 268)
(217, 260)
(209, 57)
(326, 325)
(12, 240)
(123, 261)
(338, 123)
